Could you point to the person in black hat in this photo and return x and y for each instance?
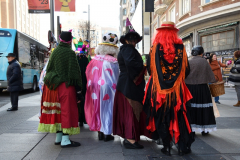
(130, 91)
(14, 78)
(61, 93)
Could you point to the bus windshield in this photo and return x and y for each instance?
(5, 39)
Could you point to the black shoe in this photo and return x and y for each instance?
(108, 138)
(73, 144)
(217, 102)
(100, 136)
(166, 151)
(80, 124)
(57, 143)
(12, 109)
(205, 134)
(129, 145)
(159, 141)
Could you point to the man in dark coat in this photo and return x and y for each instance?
(15, 82)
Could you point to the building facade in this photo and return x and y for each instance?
(214, 24)
(134, 10)
(14, 14)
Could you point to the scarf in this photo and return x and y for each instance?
(168, 77)
(63, 67)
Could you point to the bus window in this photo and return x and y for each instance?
(24, 53)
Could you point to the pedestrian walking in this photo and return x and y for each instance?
(201, 74)
(130, 91)
(14, 80)
(166, 94)
(234, 78)
(102, 76)
(216, 68)
(61, 92)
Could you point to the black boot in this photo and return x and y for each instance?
(12, 109)
(80, 124)
(129, 145)
(181, 153)
(166, 150)
(108, 138)
(100, 136)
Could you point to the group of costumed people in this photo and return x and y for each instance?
(114, 98)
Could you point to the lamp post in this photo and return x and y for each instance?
(88, 30)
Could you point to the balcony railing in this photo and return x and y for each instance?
(167, 2)
(160, 9)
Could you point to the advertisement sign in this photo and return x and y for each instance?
(38, 6)
(65, 5)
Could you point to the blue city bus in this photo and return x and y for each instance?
(30, 54)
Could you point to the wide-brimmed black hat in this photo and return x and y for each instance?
(66, 37)
(131, 35)
(11, 55)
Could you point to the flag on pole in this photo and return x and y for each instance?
(65, 5)
(38, 6)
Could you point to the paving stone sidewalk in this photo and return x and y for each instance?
(19, 138)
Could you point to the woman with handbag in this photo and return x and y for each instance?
(216, 68)
(201, 74)
(234, 78)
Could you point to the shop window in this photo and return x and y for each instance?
(172, 14)
(187, 45)
(185, 6)
(218, 41)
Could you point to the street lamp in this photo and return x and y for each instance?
(88, 30)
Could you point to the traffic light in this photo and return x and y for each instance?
(59, 28)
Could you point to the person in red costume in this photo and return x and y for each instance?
(166, 95)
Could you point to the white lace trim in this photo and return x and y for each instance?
(205, 128)
(201, 105)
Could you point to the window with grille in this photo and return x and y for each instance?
(218, 41)
(124, 11)
(172, 14)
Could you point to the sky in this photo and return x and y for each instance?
(104, 13)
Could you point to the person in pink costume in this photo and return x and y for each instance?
(102, 75)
